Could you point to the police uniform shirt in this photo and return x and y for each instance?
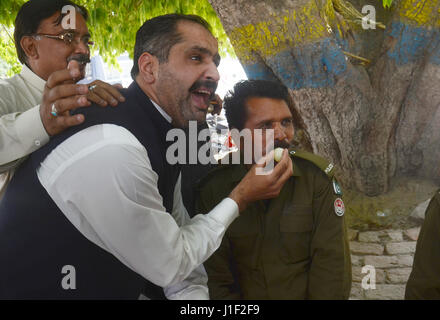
(424, 281)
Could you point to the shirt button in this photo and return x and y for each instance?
(37, 143)
(186, 247)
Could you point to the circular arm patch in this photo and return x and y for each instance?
(339, 207)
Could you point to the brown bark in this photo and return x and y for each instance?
(375, 122)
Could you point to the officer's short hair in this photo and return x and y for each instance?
(158, 35)
(235, 100)
(32, 13)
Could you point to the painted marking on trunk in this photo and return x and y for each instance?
(312, 66)
(414, 43)
(422, 12)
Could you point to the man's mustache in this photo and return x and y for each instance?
(81, 58)
(282, 144)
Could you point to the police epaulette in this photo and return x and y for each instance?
(318, 161)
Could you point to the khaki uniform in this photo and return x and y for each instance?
(424, 281)
(291, 247)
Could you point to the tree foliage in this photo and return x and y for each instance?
(387, 3)
(113, 24)
(8, 54)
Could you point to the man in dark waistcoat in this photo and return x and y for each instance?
(293, 246)
(103, 216)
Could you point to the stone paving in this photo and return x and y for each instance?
(391, 253)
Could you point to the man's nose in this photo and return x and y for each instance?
(279, 133)
(81, 47)
(212, 72)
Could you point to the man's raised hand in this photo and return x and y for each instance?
(255, 186)
(62, 94)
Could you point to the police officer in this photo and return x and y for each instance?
(293, 246)
(424, 281)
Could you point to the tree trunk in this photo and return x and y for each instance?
(377, 121)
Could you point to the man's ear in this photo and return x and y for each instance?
(29, 48)
(148, 67)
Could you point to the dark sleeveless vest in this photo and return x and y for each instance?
(37, 240)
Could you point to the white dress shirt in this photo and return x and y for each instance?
(102, 180)
(21, 129)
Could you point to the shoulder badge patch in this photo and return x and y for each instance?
(329, 168)
(337, 188)
(339, 207)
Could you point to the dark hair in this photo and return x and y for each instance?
(32, 13)
(158, 35)
(235, 101)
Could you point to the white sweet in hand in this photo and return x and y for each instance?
(278, 154)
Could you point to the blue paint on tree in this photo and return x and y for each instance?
(312, 66)
(317, 65)
(259, 71)
(413, 43)
(435, 55)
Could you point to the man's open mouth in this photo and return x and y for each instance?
(201, 97)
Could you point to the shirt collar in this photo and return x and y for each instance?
(162, 112)
(29, 76)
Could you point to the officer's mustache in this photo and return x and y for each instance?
(81, 58)
(282, 144)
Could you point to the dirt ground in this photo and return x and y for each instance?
(391, 210)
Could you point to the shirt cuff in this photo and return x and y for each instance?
(30, 130)
(225, 212)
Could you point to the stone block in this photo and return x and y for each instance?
(395, 235)
(405, 260)
(366, 248)
(398, 275)
(381, 261)
(386, 292)
(370, 236)
(413, 233)
(401, 247)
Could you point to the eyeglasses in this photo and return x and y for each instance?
(69, 38)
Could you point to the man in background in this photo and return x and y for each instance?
(35, 104)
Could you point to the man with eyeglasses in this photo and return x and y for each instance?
(35, 104)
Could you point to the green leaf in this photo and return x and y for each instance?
(113, 24)
(387, 3)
